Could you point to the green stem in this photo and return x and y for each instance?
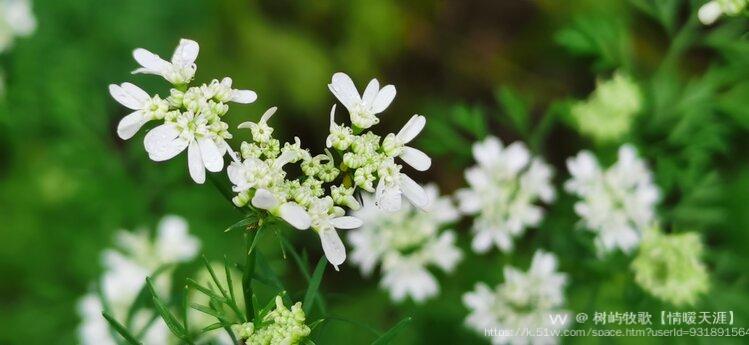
(249, 270)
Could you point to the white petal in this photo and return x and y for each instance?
(295, 215)
(152, 63)
(517, 156)
(709, 12)
(234, 171)
(344, 89)
(346, 222)
(195, 162)
(186, 53)
(413, 192)
(411, 129)
(333, 247)
(174, 242)
(469, 201)
(487, 152)
(213, 160)
(268, 113)
(243, 96)
(130, 124)
(264, 199)
(332, 119)
(163, 142)
(383, 99)
(373, 88)
(129, 95)
(388, 198)
(416, 158)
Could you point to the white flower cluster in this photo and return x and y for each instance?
(503, 190)
(16, 19)
(358, 160)
(405, 244)
(714, 9)
(355, 158)
(126, 269)
(191, 117)
(618, 204)
(526, 300)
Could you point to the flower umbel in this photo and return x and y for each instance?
(618, 204)
(126, 269)
(504, 188)
(192, 116)
(668, 266)
(406, 244)
(524, 300)
(279, 326)
(607, 115)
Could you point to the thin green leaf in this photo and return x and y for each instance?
(171, 321)
(121, 330)
(208, 292)
(388, 336)
(314, 285)
(211, 327)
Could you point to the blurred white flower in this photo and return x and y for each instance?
(503, 190)
(526, 300)
(712, 10)
(617, 204)
(405, 244)
(125, 270)
(362, 109)
(16, 20)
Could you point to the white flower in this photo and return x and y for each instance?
(393, 184)
(526, 300)
(340, 137)
(503, 190)
(712, 10)
(223, 92)
(179, 71)
(326, 218)
(289, 211)
(406, 243)
(191, 132)
(146, 108)
(395, 144)
(126, 269)
(261, 132)
(16, 19)
(362, 109)
(617, 204)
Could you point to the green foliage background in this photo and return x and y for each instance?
(507, 68)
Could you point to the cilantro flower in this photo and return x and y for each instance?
(406, 244)
(525, 300)
(179, 71)
(668, 266)
(16, 19)
(279, 326)
(192, 116)
(362, 108)
(125, 270)
(618, 203)
(712, 10)
(504, 188)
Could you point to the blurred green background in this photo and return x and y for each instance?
(509, 68)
